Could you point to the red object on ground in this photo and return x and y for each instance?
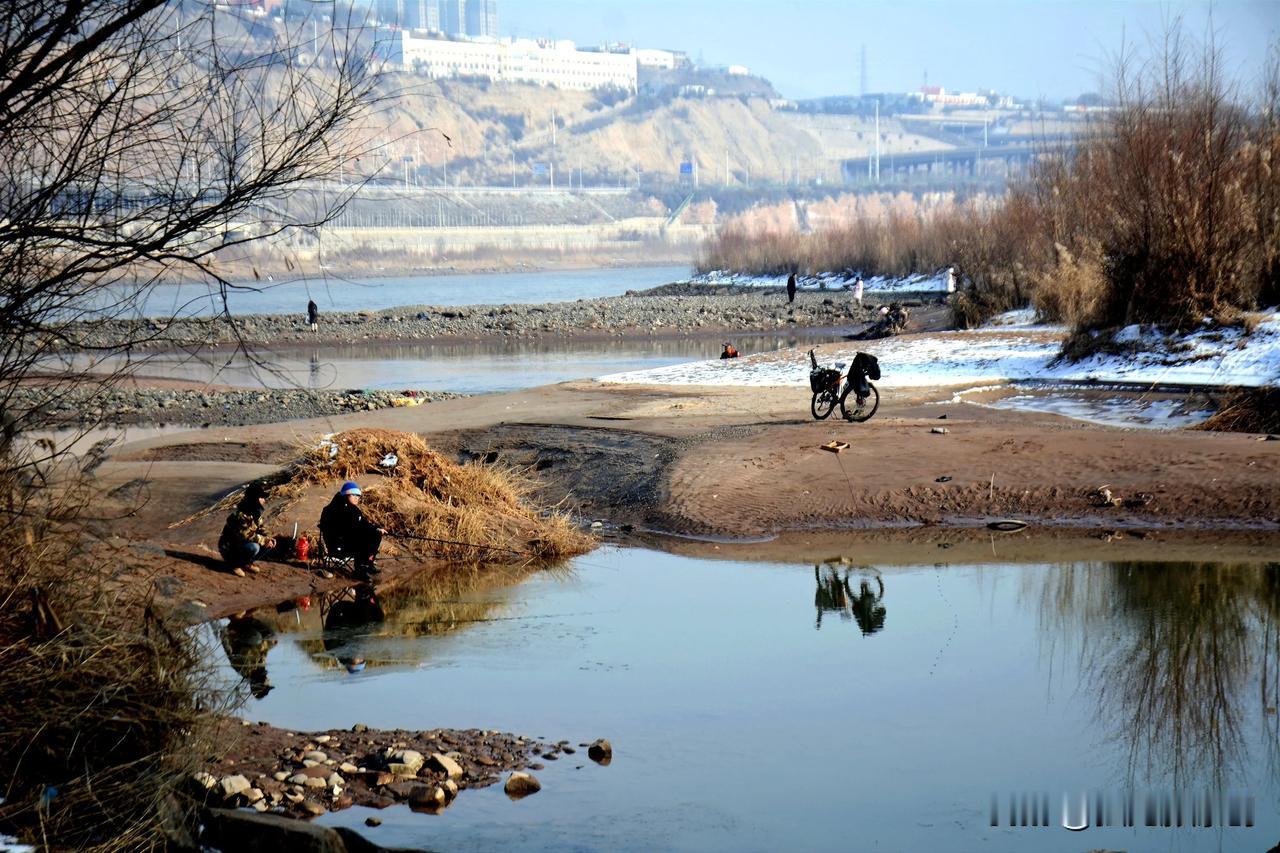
(302, 549)
(305, 602)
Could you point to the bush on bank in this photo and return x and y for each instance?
(1165, 210)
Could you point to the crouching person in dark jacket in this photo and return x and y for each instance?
(244, 537)
(348, 533)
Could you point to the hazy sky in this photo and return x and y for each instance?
(810, 47)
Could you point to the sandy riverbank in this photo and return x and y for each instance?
(723, 462)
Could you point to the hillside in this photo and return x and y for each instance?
(601, 138)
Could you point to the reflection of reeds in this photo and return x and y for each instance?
(1168, 652)
(433, 603)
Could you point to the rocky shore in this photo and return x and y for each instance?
(125, 406)
(307, 774)
(669, 310)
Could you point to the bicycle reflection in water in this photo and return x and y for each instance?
(835, 595)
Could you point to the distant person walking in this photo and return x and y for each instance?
(313, 315)
(791, 288)
(857, 291)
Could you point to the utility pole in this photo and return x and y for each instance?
(513, 168)
(877, 140)
(551, 170)
(695, 173)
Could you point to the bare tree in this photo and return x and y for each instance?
(139, 139)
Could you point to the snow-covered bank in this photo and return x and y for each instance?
(934, 284)
(1215, 356)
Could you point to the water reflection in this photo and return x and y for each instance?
(350, 618)
(1180, 659)
(246, 641)
(364, 626)
(470, 367)
(834, 594)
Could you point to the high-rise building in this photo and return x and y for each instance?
(428, 17)
(453, 17)
(482, 18)
(410, 14)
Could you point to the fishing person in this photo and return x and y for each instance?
(313, 315)
(348, 533)
(244, 537)
(729, 351)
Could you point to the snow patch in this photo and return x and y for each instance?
(1219, 356)
(934, 283)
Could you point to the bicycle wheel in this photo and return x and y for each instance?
(824, 402)
(863, 412)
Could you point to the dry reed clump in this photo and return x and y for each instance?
(469, 512)
(106, 702)
(1254, 410)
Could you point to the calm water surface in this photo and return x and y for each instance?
(771, 706)
(470, 368)
(376, 294)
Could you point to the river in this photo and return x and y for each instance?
(332, 293)
(786, 706)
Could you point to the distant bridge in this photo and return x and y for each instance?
(999, 160)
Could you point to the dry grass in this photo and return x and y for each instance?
(106, 701)
(437, 508)
(1247, 410)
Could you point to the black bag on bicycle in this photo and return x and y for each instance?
(867, 365)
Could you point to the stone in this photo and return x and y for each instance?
(316, 771)
(280, 775)
(248, 832)
(298, 779)
(334, 779)
(408, 757)
(313, 809)
(521, 785)
(372, 821)
(233, 785)
(205, 780)
(317, 756)
(253, 795)
(359, 728)
(447, 765)
(324, 738)
(450, 788)
(427, 796)
(397, 769)
(261, 805)
(312, 782)
(600, 751)
(348, 767)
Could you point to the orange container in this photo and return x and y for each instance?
(302, 549)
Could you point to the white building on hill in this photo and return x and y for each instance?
(545, 62)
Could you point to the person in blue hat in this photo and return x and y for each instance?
(348, 533)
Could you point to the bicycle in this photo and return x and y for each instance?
(827, 392)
